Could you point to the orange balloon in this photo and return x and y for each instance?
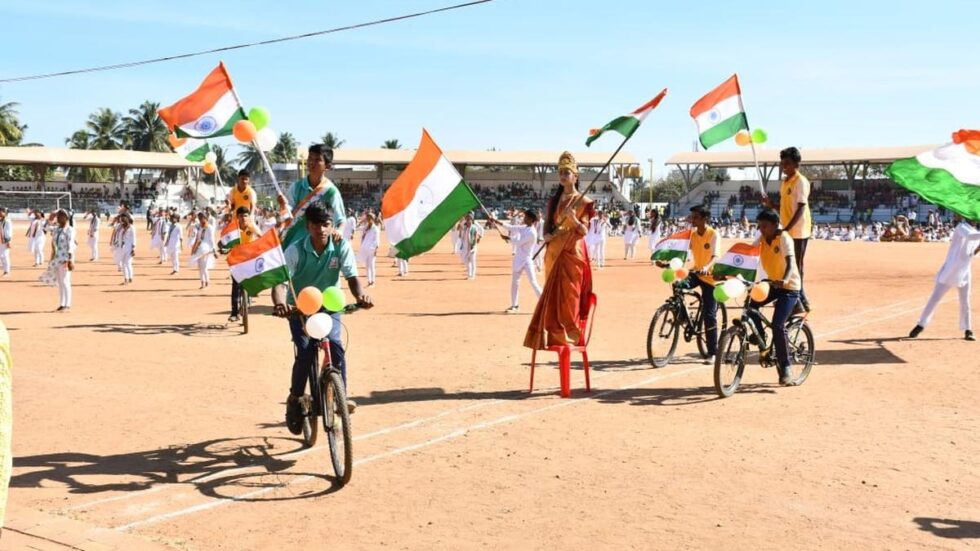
(680, 274)
(743, 138)
(244, 131)
(309, 301)
(209, 168)
(760, 292)
(176, 142)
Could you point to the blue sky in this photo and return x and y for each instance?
(517, 74)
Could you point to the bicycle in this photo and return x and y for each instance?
(328, 400)
(243, 304)
(681, 309)
(735, 342)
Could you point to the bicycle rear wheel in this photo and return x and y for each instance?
(243, 309)
(336, 423)
(730, 361)
(800, 350)
(662, 336)
(310, 428)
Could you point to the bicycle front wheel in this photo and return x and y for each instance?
(336, 423)
(800, 350)
(662, 336)
(730, 361)
(243, 307)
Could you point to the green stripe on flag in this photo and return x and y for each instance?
(938, 186)
(666, 255)
(726, 270)
(198, 154)
(225, 247)
(724, 130)
(438, 223)
(625, 125)
(266, 280)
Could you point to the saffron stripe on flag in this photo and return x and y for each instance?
(261, 245)
(726, 90)
(397, 198)
(202, 100)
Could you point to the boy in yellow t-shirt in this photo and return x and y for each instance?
(777, 259)
(794, 209)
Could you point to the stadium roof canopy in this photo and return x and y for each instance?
(851, 158)
(346, 156)
(120, 158)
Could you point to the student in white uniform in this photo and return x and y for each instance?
(956, 273)
(592, 237)
(524, 237)
(34, 229)
(350, 227)
(124, 246)
(631, 234)
(93, 234)
(603, 238)
(174, 242)
(653, 232)
(62, 260)
(204, 250)
(472, 234)
(539, 231)
(370, 240)
(6, 237)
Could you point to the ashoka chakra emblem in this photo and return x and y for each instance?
(206, 125)
(738, 260)
(259, 264)
(714, 115)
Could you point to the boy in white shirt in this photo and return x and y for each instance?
(523, 238)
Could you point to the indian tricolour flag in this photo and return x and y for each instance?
(948, 176)
(740, 260)
(425, 201)
(259, 265)
(673, 246)
(230, 236)
(720, 115)
(627, 124)
(192, 149)
(210, 111)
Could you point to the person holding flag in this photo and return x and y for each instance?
(315, 188)
(317, 260)
(247, 233)
(523, 237)
(794, 209)
(242, 194)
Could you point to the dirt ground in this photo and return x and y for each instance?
(142, 412)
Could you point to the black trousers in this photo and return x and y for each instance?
(236, 289)
(799, 249)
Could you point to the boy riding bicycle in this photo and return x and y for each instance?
(317, 260)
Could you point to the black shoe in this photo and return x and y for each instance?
(969, 336)
(916, 331)
(294, 415)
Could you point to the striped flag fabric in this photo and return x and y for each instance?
(210, 111)
(741, 259)
(673, 246)
(259, 265)
(231, 236)
(192, 149)
(719, 115)
(948, 176)
(425, 201)
(627, 124)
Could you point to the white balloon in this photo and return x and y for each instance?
(266, 139)
(676, 263)
(319, 325)
(211, 157)
(734, 288)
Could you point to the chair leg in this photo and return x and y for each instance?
(564, 368)
(534, 354)
(585, 366)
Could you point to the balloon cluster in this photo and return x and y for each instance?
(210, 162)
(758, 135)
(255, 128)
(674, 271)
(730, 289)
(311, 300)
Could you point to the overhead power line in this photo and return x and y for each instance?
(246, 45)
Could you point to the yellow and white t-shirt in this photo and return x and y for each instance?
(773, 258)
(703, 249)
(793, 191)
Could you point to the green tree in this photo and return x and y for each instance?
(81, 139)
(106, 130)
(228, 173)
(285, 149)
(145, 129)
(250, 158)
(332, 140)
(11, 130)
(391, 144)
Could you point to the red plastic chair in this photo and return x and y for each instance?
(565, 353)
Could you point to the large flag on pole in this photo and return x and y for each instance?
(673, 246)
(259, 265)
(948, 176)
(741, 259)
(627, 124)
(719, 115)
(425, 201)
(210, 111)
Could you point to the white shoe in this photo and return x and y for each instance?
(513, 310)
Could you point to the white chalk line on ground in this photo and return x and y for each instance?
(479, 426)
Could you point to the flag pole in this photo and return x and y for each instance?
(755, 158)
(255, 142)
(485, 211)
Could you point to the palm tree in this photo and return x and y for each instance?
(391, 144)
(146, 129)
(106, 130)
(228, 173)
(250, 158)
(11, 131)
(82, 140)
(285, 149)
(332, 140)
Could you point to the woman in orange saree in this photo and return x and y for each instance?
(568, 275)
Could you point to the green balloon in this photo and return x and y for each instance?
(667, 276)
(259, 116)
(759, 136)
(334, 299)
(720, 294)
